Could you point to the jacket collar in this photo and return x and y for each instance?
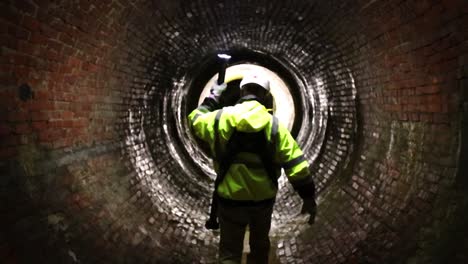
(249, 97)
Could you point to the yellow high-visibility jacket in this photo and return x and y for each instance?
(246, 179)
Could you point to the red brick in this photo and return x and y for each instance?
(22, 128)
(403, 116)
(62, 142)
(393, 107)
(25, 6)
(58, 24)
(433, 108)
(76, 132)
(414, 117)
(61, 123)
(435, 98)
(61, 105)
(23, 73)
(45, 136)
(9, 140)
(53, 56)
(80, 123)
(48, 31)
(68, 123)
(441, 118)
(74, 62)
(65, 69)
(71, 79)
(67, 115)
(3, 115)
(19, 59)
(67, 51)
(26, 47)
(41, 104)
(5, 129)
(66, 39)
(30, 23)
(7, 13)
(18, 32)
(415, 100)
(90, 67)
(403, 100)
(51, 134)
(8, 80)
(5, 103)
(52, 66)
(6, 69)
(8, 41)
(61, 96)
(57, 78)
(8, 152)
(81, 201)
(43, 115)
(41, 95)
(18, 116)
(54, 45)
(4, 27)
(85, 107)
(38, 39)
(412, 108)
(54, 124)
(40, 125)
(432, 89)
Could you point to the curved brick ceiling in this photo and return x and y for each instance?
(98, 166)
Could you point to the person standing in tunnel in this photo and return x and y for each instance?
(249, 148)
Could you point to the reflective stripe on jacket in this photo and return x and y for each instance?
(246, 179)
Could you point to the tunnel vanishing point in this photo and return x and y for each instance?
(98, 165)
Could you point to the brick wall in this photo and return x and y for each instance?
(98, 167)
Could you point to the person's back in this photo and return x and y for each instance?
(249, 147)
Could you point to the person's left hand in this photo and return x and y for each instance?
(217, 90)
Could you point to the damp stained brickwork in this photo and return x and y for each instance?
(97, 166)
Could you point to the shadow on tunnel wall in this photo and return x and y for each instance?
(97, 164)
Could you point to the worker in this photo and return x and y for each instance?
(249, 148)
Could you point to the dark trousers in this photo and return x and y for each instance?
(233, 220)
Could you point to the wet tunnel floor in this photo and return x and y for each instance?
(98, 165)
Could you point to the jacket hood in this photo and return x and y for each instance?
(251, 116)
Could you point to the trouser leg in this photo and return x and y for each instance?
(260, 223)
(233, 222)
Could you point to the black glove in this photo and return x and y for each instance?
(213, 100)
(309, 206)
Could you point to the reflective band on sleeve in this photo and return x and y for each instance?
(203, 109)
(274, 127)
(217, 147)
(197, 115)
(290, 164)
(274, 133)
(217, 117)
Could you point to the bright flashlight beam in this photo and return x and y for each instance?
(224, 56)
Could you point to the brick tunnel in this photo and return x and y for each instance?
(98, 165)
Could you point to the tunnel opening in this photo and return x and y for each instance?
(279, 102)
(203, 72)
(99, 166)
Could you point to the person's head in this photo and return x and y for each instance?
(255, 85)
